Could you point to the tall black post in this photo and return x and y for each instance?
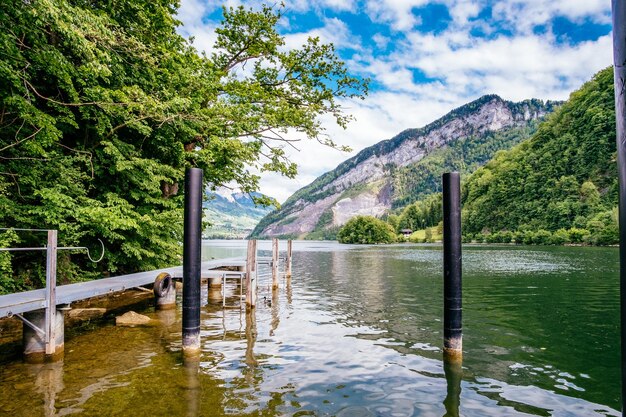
(192, 251)
(619, 71)
(452, 304)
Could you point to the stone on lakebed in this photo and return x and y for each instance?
(131, 318)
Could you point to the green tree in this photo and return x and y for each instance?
(366, 230)
(103, 106)
(561, 179)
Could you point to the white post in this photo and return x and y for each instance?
(51, 291)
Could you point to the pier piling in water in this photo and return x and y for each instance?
(192, 254)
(452, 288)
(275, 263)
(251, 281)
(619, 71)
(289, 254)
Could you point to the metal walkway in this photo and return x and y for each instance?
(23, 302)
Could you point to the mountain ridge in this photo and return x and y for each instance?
(233, 214)
(364, 178)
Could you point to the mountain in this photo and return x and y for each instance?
(232, 215)
(396, 172)
(563, 177)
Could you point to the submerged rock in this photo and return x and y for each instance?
(131, 318)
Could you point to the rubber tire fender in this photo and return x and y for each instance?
(162, 284)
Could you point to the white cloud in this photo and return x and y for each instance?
(398, 13)
(333, 31)
(525, 14)
(463, 67)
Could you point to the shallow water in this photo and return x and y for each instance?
(358, 333)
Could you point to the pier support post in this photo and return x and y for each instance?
(164, 291)
(192, 251)
(251, 282)
(34, 340)
(274, 263)
(289, 253)
(51, 290)
(619, 71)
(452, 288)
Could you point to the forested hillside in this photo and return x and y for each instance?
(563, 181)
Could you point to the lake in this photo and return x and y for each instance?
(358, 332)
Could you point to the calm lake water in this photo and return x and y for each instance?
(359, 333)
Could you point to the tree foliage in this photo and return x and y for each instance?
(366, 230)
(103, 105)
(561, 182)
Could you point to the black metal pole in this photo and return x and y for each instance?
(619, 71)
(452, 304)
(192, 251)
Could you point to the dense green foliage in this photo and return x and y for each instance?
(421, 214)
(103, 106)
(366, 230)
(560, 185)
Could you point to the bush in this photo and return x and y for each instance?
(542, 237)
(559, 237)
(577, 235)
(366, 230)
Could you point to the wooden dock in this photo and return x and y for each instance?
(23, 302)
(42, 310)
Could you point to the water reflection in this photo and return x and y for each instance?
(275, 311)
(48, 384)
(193, 391)
(357, 333)
(454, 374)
(251, 335)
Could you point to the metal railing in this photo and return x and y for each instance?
(51, 249)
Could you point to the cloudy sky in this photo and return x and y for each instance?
(426, 58)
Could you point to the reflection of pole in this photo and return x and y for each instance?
(192, 251)
(251, 334)
(275, 310)
(289, 293)
(452, 304)
(454, 374)
(191, 365)
(619, 70)
(49, 382)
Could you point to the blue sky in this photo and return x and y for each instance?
(426, 58)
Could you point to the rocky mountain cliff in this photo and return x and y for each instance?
(375, 180)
